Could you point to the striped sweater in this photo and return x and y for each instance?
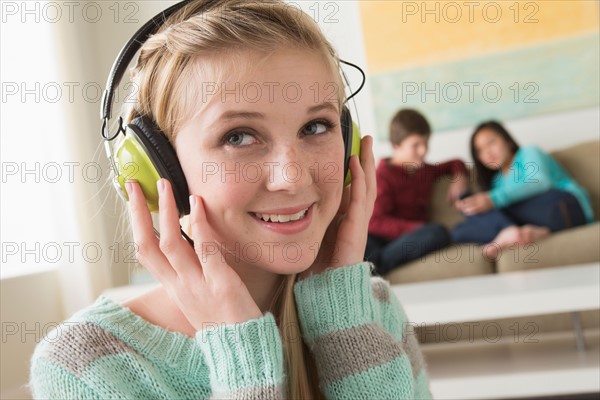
(351, 321)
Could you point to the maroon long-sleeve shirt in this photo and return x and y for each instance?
(404, 195)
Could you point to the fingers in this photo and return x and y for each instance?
(462, 206)
(363, 188)
(358, 189)
(148, 252)
(172, 244)
(470, 208)
(368, 165)
(206, 248)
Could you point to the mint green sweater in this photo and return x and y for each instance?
(352, 323)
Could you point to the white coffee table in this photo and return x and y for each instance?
(558, 364)
(507, 295)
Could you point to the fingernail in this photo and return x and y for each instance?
(128, 186)
(192, 201)
(160, 185)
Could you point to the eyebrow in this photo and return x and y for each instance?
(242, 115)
(323, 106)
(229, 115)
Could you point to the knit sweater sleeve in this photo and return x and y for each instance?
(79, 360)
(85, 361)
(359, 336)
(48, 380)
(245, 360)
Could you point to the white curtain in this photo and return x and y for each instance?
(86, 53)
(58, 209)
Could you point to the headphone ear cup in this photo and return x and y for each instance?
(131, 161)
(351, 135)
(346, 123)
(146, 155)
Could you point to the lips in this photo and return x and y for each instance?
(285, 220)
(282, 218)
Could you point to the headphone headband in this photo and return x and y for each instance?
(128, 51)
(131, 48)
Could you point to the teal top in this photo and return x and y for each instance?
(533, 172)
(352, 323)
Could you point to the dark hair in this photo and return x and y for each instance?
(408, 122)
(485, 174)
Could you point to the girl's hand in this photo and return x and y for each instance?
(346, 237)
(198, 280)
(475, 204)
(457, 188)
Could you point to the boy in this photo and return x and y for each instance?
(399, 231)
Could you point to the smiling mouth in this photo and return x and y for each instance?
(282, 218)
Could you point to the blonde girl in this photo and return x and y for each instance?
(273, 300)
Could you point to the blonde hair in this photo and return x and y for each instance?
(168, 62)
(215, 29)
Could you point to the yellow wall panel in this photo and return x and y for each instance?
(402, 34)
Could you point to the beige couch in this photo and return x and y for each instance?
(569, 247)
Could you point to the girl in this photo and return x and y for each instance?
(527, 194)
(273, 300)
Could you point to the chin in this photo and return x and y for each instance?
(292, 263)
(286, 259)
(493, 166)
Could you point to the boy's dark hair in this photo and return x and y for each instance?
(408, 122)
(485, 174)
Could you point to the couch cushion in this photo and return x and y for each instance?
(440, 210)
(572, 246)
(582, 161)
(453, 261)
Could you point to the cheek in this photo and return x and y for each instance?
(505, 152)
(325, 161)
(224, 189)
(483, 156)
(487, 160)
(330, 181)
(499, 154)
(327, 174)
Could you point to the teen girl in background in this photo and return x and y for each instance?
(527, 194)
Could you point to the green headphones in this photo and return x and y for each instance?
(146, 155)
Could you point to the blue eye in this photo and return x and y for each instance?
(238, 139)
(317, 128)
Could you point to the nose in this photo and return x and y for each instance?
(288, 169)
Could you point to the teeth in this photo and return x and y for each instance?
(282, 218)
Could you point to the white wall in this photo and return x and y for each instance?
(550, 132)
(30, 307)
(340, 21)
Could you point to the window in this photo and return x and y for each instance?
(37, 210)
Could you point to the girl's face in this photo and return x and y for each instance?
(492, 150)
(265, 151)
